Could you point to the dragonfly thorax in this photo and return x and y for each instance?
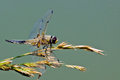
(47, 39)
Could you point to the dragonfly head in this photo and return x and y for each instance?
(54, 39)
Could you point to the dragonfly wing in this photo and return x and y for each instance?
(40, 28)
(36, 29)
(45, 21)
(35, 51)
(40, 25)
(53, 60)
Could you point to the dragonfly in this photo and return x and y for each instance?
(40, 41)
(38, 35)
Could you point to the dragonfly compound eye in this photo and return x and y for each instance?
(54, 40)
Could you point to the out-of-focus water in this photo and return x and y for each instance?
(89, 22)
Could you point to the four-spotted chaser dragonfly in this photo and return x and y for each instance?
(39, 38)
(38, 35)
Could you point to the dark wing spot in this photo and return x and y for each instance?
(52, 11)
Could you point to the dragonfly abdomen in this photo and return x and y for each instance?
(15, 41)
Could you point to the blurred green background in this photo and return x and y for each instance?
(87, 22)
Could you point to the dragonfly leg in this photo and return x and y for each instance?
(50, 47)
(45, 47)
(38, 44)
(55, 56)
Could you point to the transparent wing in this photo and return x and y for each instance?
(40, 28)
(41, 25)
(46, 20)
(51, 57)
(48, 56)
(37, 57)
(53, 61)
(36, 28)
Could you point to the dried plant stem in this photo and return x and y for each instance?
(27, 69)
